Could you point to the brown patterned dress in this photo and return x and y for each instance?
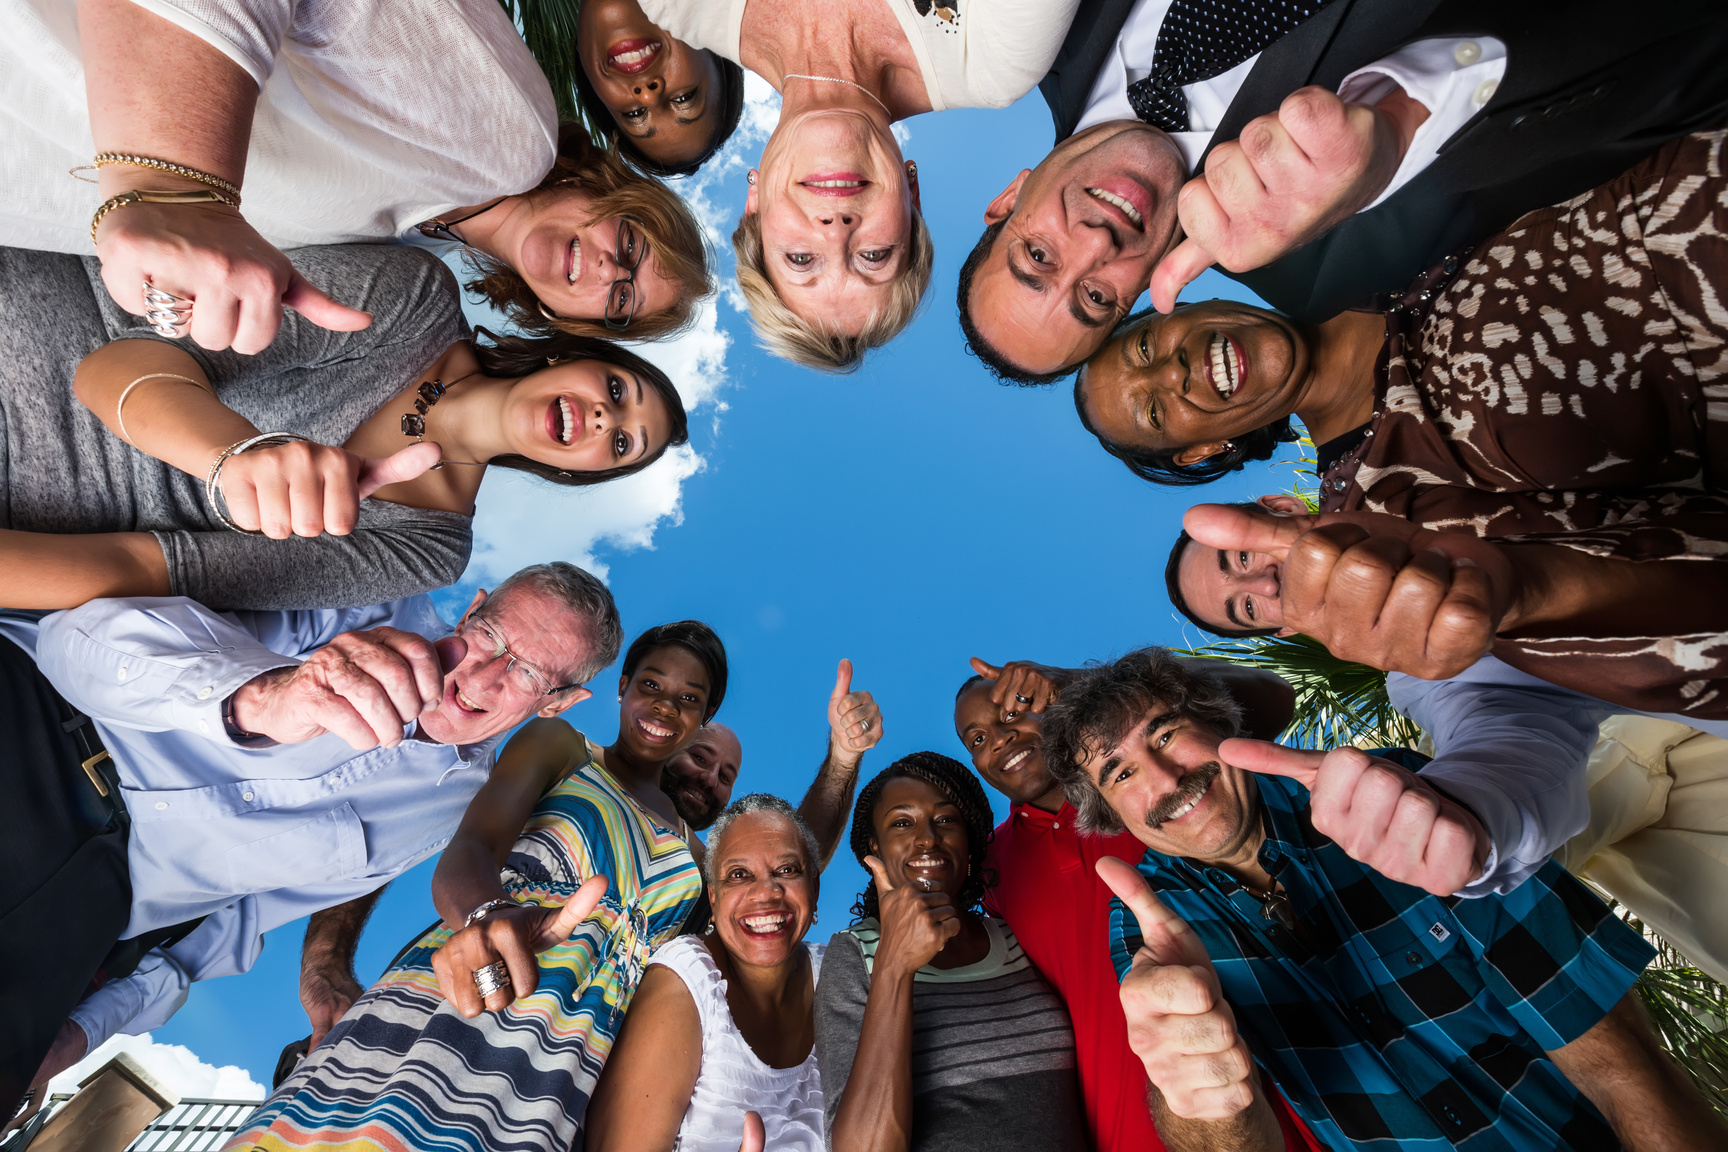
(1566, 382)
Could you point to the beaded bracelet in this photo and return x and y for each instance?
(161, 166)
(213, 482)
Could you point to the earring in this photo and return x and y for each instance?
(750, 177)
(814, 916)
(912, 169)
(551, 360)
(546, 312)
(1229, 446)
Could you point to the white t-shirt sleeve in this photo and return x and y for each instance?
(248, 32)
(1453, 78)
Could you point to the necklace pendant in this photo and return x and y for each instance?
(413, 424)
(431, 390)
(1276, 909)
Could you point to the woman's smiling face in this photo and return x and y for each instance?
(663, 703)
(572, 263)
(764, 891)
(920, 836)
(1191, 380)
(586, 416)
(662, 93)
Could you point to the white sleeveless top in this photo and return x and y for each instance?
(734, 1080)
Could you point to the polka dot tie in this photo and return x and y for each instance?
(1200, 39)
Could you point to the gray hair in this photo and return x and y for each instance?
(761, 802)
(1106, 701)
(585, 597)
(791, 337)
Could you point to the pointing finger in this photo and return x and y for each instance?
(319, 308)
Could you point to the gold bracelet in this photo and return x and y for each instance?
(215, 182)
(145, 195)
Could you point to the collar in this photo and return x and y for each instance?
(1063, 817)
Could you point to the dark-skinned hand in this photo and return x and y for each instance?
(515, 936)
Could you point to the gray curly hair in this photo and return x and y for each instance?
(760, 802)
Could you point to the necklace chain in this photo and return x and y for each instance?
(838, 80)
(414, 423)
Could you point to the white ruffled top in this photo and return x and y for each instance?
(734, 1080)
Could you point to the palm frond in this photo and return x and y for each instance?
(1337, 701)
(549, 29)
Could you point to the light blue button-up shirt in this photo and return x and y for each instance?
(1515, 749)
(250, 838)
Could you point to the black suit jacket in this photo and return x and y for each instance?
(1591, 87)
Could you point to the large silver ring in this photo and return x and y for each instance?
(166, 312)
(924, 882)
(1022, 699)
(492, 978)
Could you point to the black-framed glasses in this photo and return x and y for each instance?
(527, 678)
(621, 296)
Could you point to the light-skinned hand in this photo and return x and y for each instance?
(1290, 176)
(1380, 814)
(854, 720)
(916, 925)
(363, 686)
(1178, 1021)
(238, 281)
(515, 936)
(306, 489)
(1377, 589)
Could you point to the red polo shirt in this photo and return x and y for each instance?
(1051, 896)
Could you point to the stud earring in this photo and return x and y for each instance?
(750, 177)
(1229, 445)
(912, 169)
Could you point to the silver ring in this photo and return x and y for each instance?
(863, 726)
(166, 312)
(492, 978)
(925, 883)
(1022, 699)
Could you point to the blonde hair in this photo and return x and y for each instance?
(791, 337)
(676, 247)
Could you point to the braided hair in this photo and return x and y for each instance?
(955, 781)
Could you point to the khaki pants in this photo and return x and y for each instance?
(1658, 835)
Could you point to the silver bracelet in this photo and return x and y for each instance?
(486, 909)
(213, 482)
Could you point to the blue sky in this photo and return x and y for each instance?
(908, 517)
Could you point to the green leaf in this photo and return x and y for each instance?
(549, 29)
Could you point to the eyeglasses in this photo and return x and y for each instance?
(621, 297)
(523, 675)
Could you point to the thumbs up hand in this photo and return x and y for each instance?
(917, 923)
(307, 489)
(1178, 1022)
(854, 720)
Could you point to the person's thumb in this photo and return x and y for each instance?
(319, 308)
(576, 909)
(985, 669)
(842, 682)
(754, 1135)
(1178, 268)
(1268, 759)
(880, 873)
(1235, 529)
(397, 467)
(1164, 934)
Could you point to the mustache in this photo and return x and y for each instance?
(1190, 787)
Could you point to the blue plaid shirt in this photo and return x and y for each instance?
(1397, 1019)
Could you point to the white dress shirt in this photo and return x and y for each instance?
(370, 117)
(1452, 78)
(1514, 749)
(253, 838)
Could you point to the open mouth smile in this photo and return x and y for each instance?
(1192, 803)
(1013, 762)
(573, 260)
(463, 702)
(654, 732)
(835, 183)
(766, 923)
(1121, 205)
(1225, 361)
(633, 56)
(561, 422)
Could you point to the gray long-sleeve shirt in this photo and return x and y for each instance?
(62, 471)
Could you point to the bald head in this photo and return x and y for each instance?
(700, 775)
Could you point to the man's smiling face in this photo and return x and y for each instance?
(1081, 234)
(483, 694)
(1166, 784)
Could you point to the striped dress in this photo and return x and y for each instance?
(403, 1070)
(992, 1047)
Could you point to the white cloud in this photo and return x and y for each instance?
(902, 134)
(173, 1064)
